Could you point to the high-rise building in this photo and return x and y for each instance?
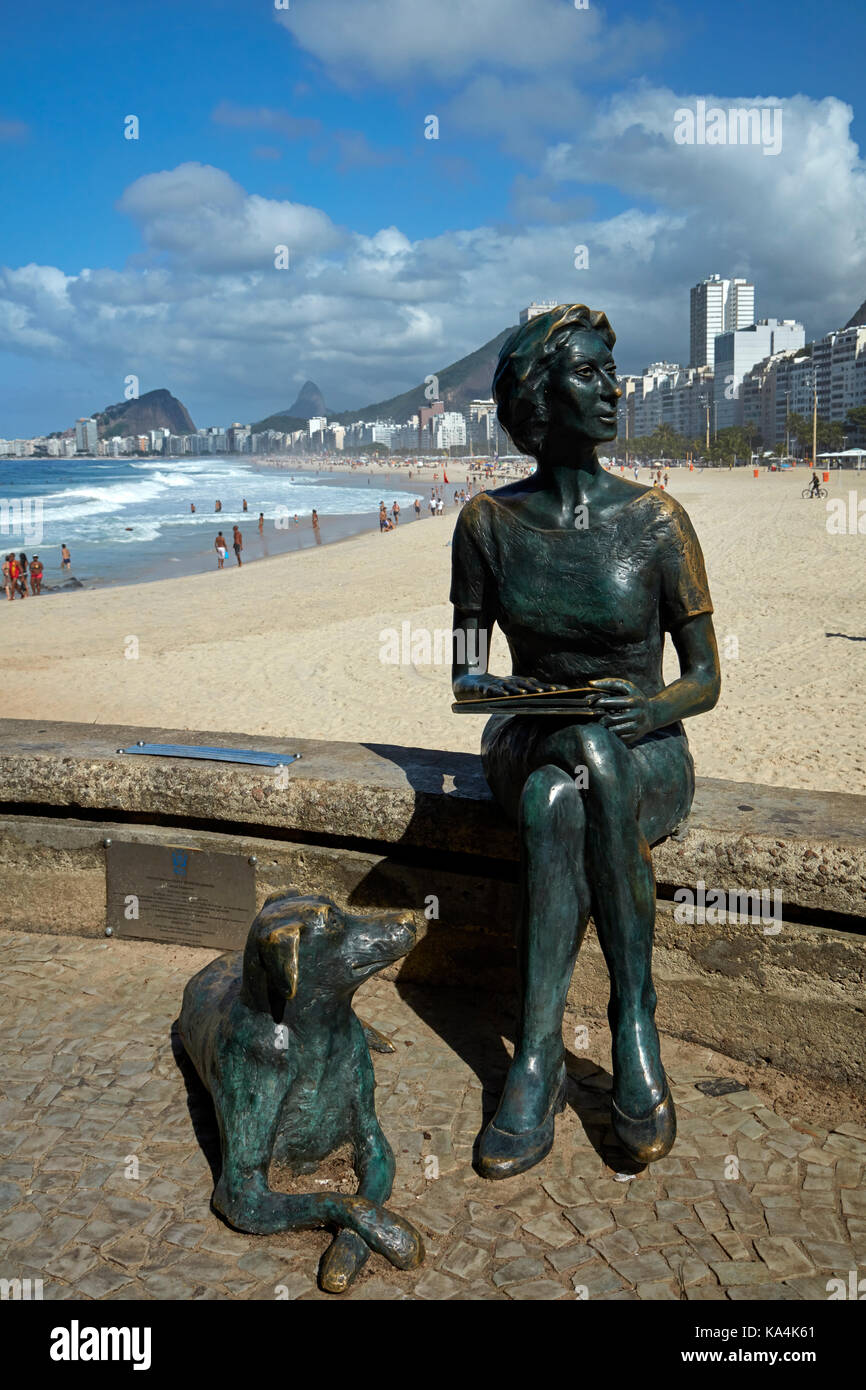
(717, 306)
(86, 436)
(737, 352)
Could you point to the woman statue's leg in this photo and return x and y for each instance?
(620, 874)
(553, 916)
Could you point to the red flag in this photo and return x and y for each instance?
(444, 475)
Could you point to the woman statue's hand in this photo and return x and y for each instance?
(626, 710)
(485, 687)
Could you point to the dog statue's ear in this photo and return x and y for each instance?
(290, 936)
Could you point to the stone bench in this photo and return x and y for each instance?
(383, 825)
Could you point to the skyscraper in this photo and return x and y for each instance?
(717, 306)
(86, 436)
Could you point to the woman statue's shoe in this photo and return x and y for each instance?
(502, 1154)
(648, 1139)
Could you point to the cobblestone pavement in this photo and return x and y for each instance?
(105, 1189)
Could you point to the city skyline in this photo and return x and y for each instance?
(424, 178)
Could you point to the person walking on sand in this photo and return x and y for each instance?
(237, 544)
(8, 582)
(65, 557)
(221, 546)
(36, 575)
(440, 507)
(417, 508)
(261, 523)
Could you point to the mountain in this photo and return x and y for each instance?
(310, 401)
(152, 411)
(463, 381)
(858, 318)
(467, 380)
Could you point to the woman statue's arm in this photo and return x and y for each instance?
(470, 678)
(631, 714)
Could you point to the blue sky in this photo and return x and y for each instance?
(305, 127)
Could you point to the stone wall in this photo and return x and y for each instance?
(378, 825)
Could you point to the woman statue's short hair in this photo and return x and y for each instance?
(524, 362)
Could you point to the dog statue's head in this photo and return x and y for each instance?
(307, 948)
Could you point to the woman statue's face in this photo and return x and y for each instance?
(581, 387)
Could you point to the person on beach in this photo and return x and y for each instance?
(192, 506)
(261, 523)
(296, 520)
(245, 505)
(237, 544)
(315, 520)
(417, 508)
(22, 564)
(221, 546)
(8, 582)
(383, 517)
(440, 507)
(65, 557)
(36, 575)
(814, 486)
(17, 581)
(395, 512)
(218, 506)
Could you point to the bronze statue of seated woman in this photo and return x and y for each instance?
(585, 572)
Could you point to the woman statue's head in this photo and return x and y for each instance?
(557, 371)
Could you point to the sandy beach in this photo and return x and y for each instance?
(293, 645)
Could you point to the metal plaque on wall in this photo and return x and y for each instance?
(171, 893)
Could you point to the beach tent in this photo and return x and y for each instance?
(855, 455)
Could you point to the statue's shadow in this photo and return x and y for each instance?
(200, 1107)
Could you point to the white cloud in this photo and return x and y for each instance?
(734, 209)
(205, 312)
(400, 41)
(198, 216)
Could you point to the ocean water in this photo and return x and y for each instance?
(128, 520)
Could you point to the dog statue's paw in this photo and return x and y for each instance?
(376, 1041)
(402, 1244)
(341, 1262)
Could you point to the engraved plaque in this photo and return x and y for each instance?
(171, 893)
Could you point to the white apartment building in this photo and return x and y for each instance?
(450, 429)
(717, 306)
(736, 353)
(785, 383)
(541, 306)
(86, 436)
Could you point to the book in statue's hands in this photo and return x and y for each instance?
(568, 701)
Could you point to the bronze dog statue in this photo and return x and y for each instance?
(276, 1042)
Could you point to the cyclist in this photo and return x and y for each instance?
(815, 489)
